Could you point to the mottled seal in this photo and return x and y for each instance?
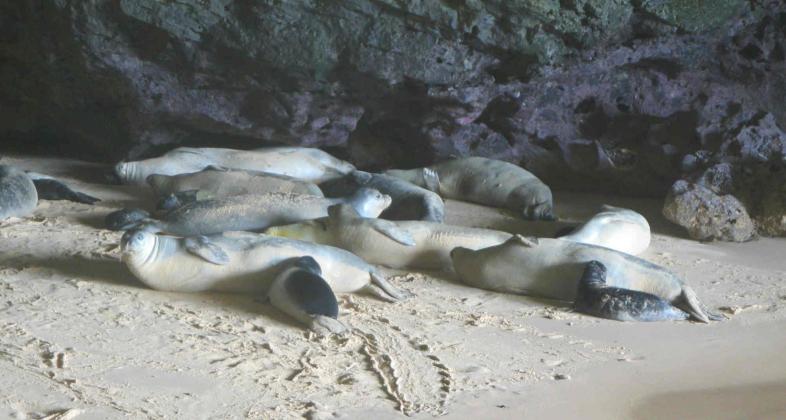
(215, 182)
(410, 202)
(594, 297)
(485, 181)
(297, 162)
(18, 196)
(552, 268)
(403, 244)
(240, 262)
(617, 228)
(255, 212)
(301, 292)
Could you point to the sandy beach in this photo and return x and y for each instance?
(81, 338)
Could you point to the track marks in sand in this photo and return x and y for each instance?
(416, 379)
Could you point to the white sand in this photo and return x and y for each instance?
(81, 338)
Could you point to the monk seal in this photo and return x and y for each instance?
(552, 268)
(259, 211)
(403, 244)
(215, 182)
(240, 262)
(594, 297)
(485, 181)
(301, 292)
(20, 192)
(617, 228)
(297, 162)
(410, 202)
(18, 196)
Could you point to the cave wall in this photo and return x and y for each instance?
(626, 96)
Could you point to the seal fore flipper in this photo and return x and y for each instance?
(392, 231)
(202, 247)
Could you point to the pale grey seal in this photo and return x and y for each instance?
(297, 162)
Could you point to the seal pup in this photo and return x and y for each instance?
(297, 162)
(240, 262)
(617, 228)
(125, 219)
(552, 268)
(20, 192)
(301, 292)
(403, 244)
(410, 202)
(258, 211)
(485, 181)
(18, 196)
(594, 297)
(215, 182)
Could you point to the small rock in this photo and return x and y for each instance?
(561, 377)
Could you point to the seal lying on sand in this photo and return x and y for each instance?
(594, 297)
(485, 181)
(617, 228)
(240, 262)
(297, 162)
(410, 202)
(404, 244)
(18, 196)
(214, 182)
(301, 292)
(552, 268)
(20, 191)
(258, 211)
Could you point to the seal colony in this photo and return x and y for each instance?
(326, 225)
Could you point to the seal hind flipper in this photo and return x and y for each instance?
(595, 298)
(693, 306)
(361, 177)
(125, 219)
(52, 189)
(382, 289)
(393, 231)
(431, 179)
(202, 247)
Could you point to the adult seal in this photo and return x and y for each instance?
(215, 182)
(617, 228)
(301, 292)
(303, 163)
(241, 262)
(410, 202)
(552, 268)
(595, 297)
(403, 244)
(485, 181)
(255, 212)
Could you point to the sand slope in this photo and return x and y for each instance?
(81, 338)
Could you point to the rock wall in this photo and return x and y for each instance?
(605, 95)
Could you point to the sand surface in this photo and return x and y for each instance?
(81, 338)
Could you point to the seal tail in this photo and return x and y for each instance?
(382, 289)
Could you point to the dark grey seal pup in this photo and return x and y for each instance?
(595, 298)
(410, 202)
(125, 219)
(302, 293)
(49, 188)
